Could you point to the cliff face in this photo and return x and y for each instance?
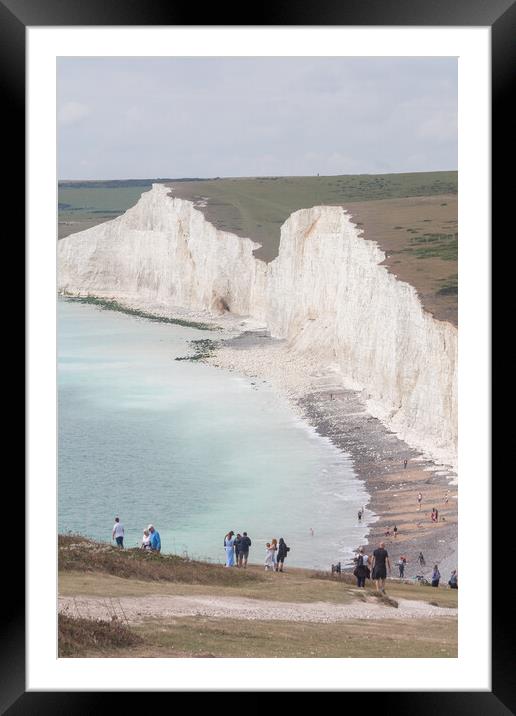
(325, 293)
(162, 251)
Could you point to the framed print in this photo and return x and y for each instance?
(259, 353)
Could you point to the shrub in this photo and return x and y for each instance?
(78, 635)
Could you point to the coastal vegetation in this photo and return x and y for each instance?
(77, 635)
(81, 554)
(112, 305)
(202, 349)
(449, 286)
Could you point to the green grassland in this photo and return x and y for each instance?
(257, 207)
(81, 207)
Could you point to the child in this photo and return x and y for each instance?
(146, 540)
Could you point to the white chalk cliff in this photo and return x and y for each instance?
(325, 293)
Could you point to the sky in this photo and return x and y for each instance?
(133, 117)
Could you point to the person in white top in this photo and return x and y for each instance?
(118, 532)
(269, 558)
(146, 540)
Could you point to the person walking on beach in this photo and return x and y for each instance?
(243, 554)
(155, 539)
(238, 542)
(312, 531)
(435, 515)
(118, 533)
(269, 557)
(405, 463)
(421, 560)
(453, 581)
(395, 531)
(446, 497)
(419, 500)
(229, 546)
(436, 576)
(401, 566)
(360, 513)
(282, 553)
(361, 570)
(379, 568)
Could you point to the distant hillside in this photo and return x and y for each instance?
(116, 183)
(257, 207)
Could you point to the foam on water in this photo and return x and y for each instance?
(195, 450)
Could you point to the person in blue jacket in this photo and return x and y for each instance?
(155, 541)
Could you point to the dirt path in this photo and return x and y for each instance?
(136, 609)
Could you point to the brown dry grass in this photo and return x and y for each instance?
(78, 635)
(78, 554)
(226, 638)
(406, 229)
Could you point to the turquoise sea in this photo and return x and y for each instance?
(193, 449)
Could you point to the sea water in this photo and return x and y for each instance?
(195, 450)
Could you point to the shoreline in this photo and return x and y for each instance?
(340, 414)
(377, 454)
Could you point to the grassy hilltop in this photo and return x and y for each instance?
(120, 603)
(256, 207)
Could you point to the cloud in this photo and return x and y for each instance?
(247, 116)
(72, 112)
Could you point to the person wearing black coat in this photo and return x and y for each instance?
(361, 570)
(282, 553)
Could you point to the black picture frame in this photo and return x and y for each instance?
(500, 16)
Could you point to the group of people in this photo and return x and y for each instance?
(394, 532)
(275, 555)
(435, 512)
(237, 554)
(237, 551)
(453, 581)
(376, 569)
(150, 540)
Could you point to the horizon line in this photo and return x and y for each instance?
(258, 176)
